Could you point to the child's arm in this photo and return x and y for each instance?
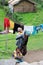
(18, 37)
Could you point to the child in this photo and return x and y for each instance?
(18, 38)
(22, 42)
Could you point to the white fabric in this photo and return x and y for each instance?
(10, 31)
(28, 28)
(11, 7)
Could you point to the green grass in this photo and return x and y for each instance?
(7, 46)
(35, 42)
(35, 18)
(2, 15)
(8, 39)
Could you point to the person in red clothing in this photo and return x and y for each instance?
(6, 24)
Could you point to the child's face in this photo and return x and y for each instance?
(19, 30)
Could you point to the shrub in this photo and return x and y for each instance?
(16, 17)
(42, 5)
(8, 13)
(6, 3)
(1, 6)
(38, 7)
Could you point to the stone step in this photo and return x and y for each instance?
(24, 63)
(13, 62)
(34, 63)
(7, 62)
(41, 62)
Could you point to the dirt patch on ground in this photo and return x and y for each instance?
(34, 56)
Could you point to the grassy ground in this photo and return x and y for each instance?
(33, 18)
(7, 45)
(35, 41)
(2, 15)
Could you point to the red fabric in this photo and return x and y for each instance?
(6, 22)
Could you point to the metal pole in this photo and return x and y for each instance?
(6, 44)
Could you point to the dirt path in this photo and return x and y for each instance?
(34, 56)
(31, 56)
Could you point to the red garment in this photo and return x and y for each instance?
(6, 23)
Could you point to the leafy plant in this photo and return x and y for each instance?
(16, 17)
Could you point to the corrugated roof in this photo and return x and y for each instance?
(10, 1)
(14, 2)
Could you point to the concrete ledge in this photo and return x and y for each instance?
(41, 62)
(34, 63)
(24, 63)
(13, 62)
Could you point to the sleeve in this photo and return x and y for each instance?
(18, 37)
